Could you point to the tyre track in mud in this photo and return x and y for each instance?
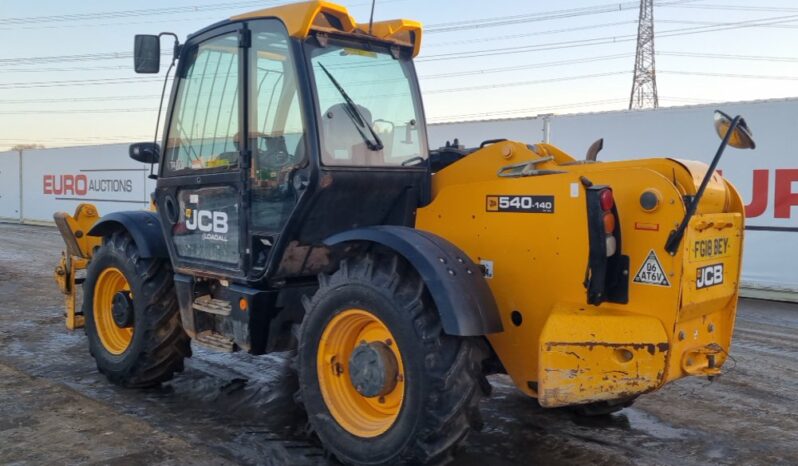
(240, 408)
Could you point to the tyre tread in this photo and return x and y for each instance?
(165, 343)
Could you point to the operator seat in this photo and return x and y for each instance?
(343, 144)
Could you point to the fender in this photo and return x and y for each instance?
(465, 303)
(143, 225)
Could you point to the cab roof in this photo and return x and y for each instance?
(302, 18)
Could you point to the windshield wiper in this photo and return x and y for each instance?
(357, 118)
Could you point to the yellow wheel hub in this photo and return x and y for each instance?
(114, 338)
(350, 332)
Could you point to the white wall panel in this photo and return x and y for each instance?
(471, 134)
(60, 179)
(9, 185)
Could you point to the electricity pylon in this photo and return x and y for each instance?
(644, 84)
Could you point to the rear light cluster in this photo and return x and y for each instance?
(607, 202)
(607, 273)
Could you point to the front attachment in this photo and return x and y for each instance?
(79, 249)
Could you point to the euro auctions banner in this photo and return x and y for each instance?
(60, 179)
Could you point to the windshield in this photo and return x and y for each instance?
(369, 113)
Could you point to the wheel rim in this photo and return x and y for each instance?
(115, 339)
(359, 415)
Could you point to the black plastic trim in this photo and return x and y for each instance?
(144, 226)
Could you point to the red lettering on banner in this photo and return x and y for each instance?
(68, 184)
(759, 194)
(58, 184)
(81, 185)
(786, 198)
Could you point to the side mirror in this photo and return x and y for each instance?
(145, 152)
(147, 53)
(741, 138)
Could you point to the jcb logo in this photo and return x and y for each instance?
(206, 220)
(710, 275)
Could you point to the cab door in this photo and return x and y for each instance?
(278, 139)
(200, 191)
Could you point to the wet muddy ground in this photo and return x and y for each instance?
(239, 409)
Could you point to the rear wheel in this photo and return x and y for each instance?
(380, 380)
(132, 318)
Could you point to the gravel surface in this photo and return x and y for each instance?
(239, 408)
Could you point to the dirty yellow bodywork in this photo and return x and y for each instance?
(79, 249)
(302, 18)
(559, 348)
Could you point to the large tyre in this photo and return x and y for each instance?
(132, 318)
(379, 379)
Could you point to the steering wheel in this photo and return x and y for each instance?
(276, 154)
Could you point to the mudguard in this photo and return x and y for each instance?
(461, 294)
(143, 225)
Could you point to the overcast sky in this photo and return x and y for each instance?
(60, 85)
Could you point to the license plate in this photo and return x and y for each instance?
(710, 248)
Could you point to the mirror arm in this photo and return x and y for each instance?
(175, 55)
(176, 48)
(675, 237)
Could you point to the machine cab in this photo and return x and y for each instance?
(275, 131)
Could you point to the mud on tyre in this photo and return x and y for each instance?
(379, 379)
(132, 318)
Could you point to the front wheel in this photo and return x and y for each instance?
(132, 317)
(380, 380)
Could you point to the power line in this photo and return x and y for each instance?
(733, 75)
(77, 82)
(78, 99)
(481, 23)
(716, 23)
(74, 21)
(604, 40)
(727, 7)
(453, 55)
(61, 70)
(528, 34)
(528, 110)
(525, 67)
(148, 12)
(525, 83)
(730, 56)
(80, 110)
(84, 138)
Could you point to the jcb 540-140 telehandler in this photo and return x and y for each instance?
(298, 206)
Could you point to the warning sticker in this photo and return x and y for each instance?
(651, 272)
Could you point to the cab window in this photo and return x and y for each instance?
(277, 129)
(203, 132)
(377, 125)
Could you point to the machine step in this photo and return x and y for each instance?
(215, 341)
(210, 305)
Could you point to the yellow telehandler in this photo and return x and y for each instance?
(298, 206)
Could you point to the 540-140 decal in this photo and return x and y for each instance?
(523, 203)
